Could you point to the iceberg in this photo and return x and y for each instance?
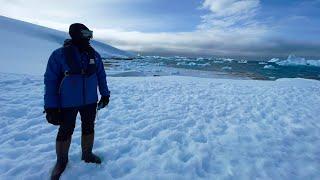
(293, 60)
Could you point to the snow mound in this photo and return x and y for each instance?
(26, 47)
(172, 128)
(293, 60)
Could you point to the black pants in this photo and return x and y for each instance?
(88, 115)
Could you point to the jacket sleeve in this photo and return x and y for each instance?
(52, 82)
(101, 75)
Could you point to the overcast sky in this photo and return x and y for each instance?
(186, 27)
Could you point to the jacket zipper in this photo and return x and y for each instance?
(60, 86)
(59, 92)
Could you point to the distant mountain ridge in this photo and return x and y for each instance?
(53, 35)
(26, 47)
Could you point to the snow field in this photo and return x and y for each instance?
(172, 128)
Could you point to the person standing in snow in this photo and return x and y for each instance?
(71, 79)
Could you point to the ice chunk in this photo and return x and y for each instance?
(274, 60)
(268, 67)
(228, 59)
(226, 68)
(218, 62)
(242, 61)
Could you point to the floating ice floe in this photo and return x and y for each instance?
(218, 62)
(268, 67)
(262, 63)
(192, 64)
(298, 61)
(180, 57)
(225, 59)
(200, 59)
(205, 64)
(226, 68)
(274, 60)
(242, 61)
(228, 59)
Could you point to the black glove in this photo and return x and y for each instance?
(53, 116)
(104, 101)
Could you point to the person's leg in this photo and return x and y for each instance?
(63, 141)
(88, 115)
(68, 123)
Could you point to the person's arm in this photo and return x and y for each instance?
(101, 75)
(52, 82)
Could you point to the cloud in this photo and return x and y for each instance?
(230, 7)
(228, 13)
(200, 42)
(228, 29)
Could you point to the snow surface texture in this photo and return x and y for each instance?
(25, 47)
(172, 128)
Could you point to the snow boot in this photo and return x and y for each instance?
(62, 150)
(86, 145)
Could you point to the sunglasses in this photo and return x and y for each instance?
(87, 34)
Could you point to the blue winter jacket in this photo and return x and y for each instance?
(74, 90)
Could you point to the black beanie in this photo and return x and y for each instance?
(75, 30)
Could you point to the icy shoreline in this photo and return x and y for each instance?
(172, 127)
(293, 67)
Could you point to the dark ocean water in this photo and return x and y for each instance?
(292, 67)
